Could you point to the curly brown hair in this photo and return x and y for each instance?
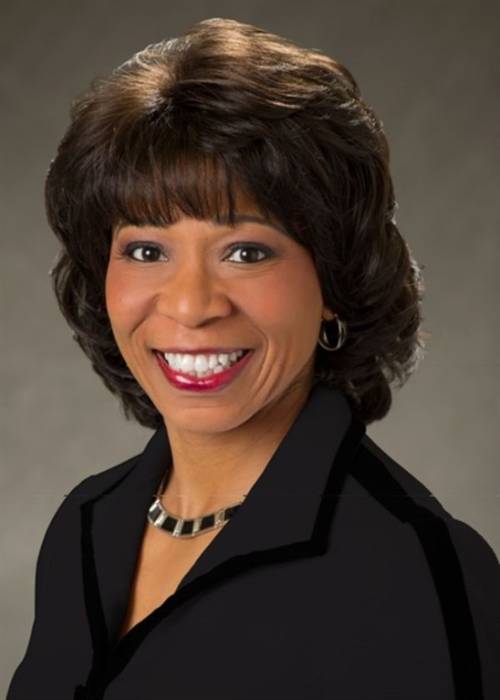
(177, 128)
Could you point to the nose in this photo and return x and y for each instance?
(193, 296)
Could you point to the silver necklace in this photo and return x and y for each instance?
(175, 526)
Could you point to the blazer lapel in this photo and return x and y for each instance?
(285, 513)
(113, 523)
(283, 505)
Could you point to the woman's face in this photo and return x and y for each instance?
(188, 285)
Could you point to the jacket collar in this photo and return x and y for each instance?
(285, 507)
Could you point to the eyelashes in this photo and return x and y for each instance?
(128, 250)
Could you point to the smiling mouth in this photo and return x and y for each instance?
(215, 363)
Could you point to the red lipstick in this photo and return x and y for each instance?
(189, 382)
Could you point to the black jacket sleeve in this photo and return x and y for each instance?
(57, 607)
(481, 572)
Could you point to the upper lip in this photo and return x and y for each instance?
(200, 351)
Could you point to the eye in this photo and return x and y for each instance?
(150, 252)
(253, 249)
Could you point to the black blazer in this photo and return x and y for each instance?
(340, 577)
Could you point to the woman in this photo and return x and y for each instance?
(232, 267)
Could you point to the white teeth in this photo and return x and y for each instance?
(202, 365)
(224, 360)
(186, 363)
(212, 361)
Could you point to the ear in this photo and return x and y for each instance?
(328, 315)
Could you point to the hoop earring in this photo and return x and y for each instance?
(341, 333)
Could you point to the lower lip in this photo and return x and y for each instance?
(211, 383)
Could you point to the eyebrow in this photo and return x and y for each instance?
(224, 221)
(241, 218)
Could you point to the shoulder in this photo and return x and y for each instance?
(60, 543)
(64, 525)
(393, 486)
(403, 521)
(87, 488)
(399, 512)
(98, 483)
(393, 492)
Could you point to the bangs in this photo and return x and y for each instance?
(149, 182)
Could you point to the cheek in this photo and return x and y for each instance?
(289, 299)
(124, 301)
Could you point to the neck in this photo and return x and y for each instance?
(215, 470)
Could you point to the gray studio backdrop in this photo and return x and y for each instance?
(430, 69)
